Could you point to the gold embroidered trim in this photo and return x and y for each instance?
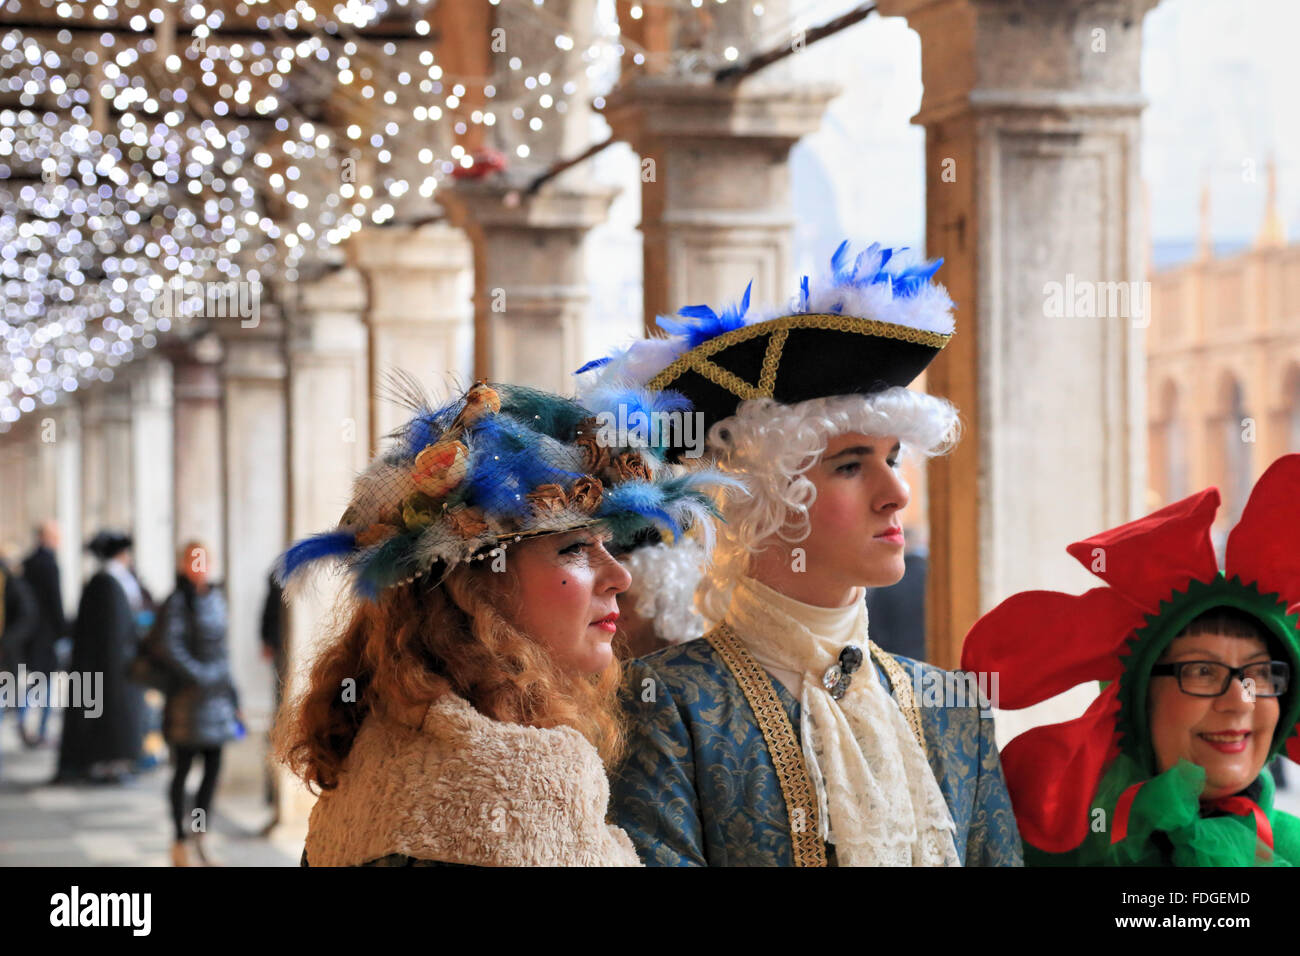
(729, 380)
(787, 756)
(695, 359)
(903, 694)
(772, 361)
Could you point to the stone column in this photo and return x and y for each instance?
(200, 493)
(106, 465)
(15, 478)
(255, 440)
(45, 448)
(530, 281)
(328, 415)
(715, 185)
(1032, 115)
(35, 497)
(64, 432)
(530, 276)
(152, 449)
(418, 311)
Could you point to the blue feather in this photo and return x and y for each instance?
(594, 363)
(708, 324)
(327, 544)
(869, 268)
(388, 565)
(914, 278)
(506, 463)
(648, 415)
(639, 497)
(629, 401)
(838, 256)
(426, 428)
(419, 435)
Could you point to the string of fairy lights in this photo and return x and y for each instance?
(145, 143)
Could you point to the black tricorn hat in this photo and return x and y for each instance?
(107, 544)
(861, 330)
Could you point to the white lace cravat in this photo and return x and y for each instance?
(879, 802)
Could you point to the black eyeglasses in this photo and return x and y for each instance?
(1211, 679)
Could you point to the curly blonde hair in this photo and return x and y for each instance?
(418, 642)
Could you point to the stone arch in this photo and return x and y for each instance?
(1231, 432)
(1168, 445)
(1289, 407)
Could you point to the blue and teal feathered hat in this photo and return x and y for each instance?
(500, 464)
(864, 326)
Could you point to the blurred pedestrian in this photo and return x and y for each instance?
(275, 651)
(202, 709)
(102, 743)
(17, 621)
(41, 572)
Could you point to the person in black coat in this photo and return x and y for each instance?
(202, 709)
(275, 650)
(17, 621)
(897, 612)
(17, 618)
(104, 747)
(41, 571)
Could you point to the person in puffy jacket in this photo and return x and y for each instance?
(202, 709)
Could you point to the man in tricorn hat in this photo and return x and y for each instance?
(103, 728)
(785, 736)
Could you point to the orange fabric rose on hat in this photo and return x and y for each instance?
(440, 468)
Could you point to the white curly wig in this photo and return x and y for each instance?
(770, 446)
(665, 577)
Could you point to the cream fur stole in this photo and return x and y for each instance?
(463, 788)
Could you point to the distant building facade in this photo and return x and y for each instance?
(1223, 368)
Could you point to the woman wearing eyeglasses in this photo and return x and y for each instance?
(1168, 765)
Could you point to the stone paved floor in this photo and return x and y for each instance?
(124, 824)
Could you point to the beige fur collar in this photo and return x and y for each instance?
(463, 788)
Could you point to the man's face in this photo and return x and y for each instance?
(856, 537)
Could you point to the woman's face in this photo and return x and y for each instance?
(1228, 735)
(566, 597)
(193, 565)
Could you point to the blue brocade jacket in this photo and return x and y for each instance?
(698, 787)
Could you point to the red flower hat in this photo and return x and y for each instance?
(1161, 573)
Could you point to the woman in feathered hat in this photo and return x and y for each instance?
(1167, 766)
(464, 713)
(785, 736)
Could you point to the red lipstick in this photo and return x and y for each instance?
(893, 536)
(1227, 741)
